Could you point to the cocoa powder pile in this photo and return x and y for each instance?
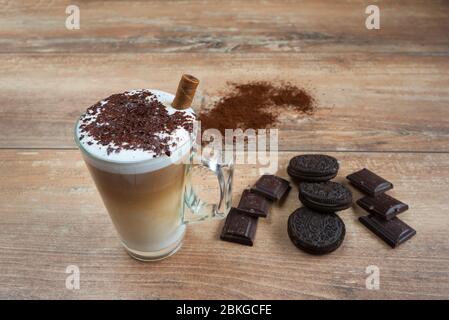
(255, 105)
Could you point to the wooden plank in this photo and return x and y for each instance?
(225, 26)
(365, 102)
(52, 217)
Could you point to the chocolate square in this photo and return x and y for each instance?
(369, 182)
(239, 227)
(254, 204)
(271, 187)
(383, 205)
(393, 232)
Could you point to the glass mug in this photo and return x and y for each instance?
(150, 202)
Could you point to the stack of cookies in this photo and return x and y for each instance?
(316, 228)
(381, 207)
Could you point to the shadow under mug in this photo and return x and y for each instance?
(150, 202)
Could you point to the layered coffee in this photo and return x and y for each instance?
(136, 147)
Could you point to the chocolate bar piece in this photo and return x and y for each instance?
(393, 232)
(271, 187)
(239, 227)
(383, 205)
(369, 182)
(254, 204)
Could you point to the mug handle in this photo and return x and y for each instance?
(201, 210)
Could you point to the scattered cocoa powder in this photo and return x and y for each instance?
(255, 105)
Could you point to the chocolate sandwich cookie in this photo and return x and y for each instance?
(369, 182)
(254, 204)
(393, 232)
(383, 205)
(315, 232)
(325, 196)
(313, 167)
(239, 227)
(271, 187)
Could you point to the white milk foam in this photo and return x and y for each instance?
(136, 161)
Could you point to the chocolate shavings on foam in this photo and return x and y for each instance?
(134, 120)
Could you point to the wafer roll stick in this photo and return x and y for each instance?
(186, 91)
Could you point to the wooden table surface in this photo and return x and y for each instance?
(383, 103)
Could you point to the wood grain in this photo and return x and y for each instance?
(382, 103)
(52, 216)
(365, 102)
(225, 26)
